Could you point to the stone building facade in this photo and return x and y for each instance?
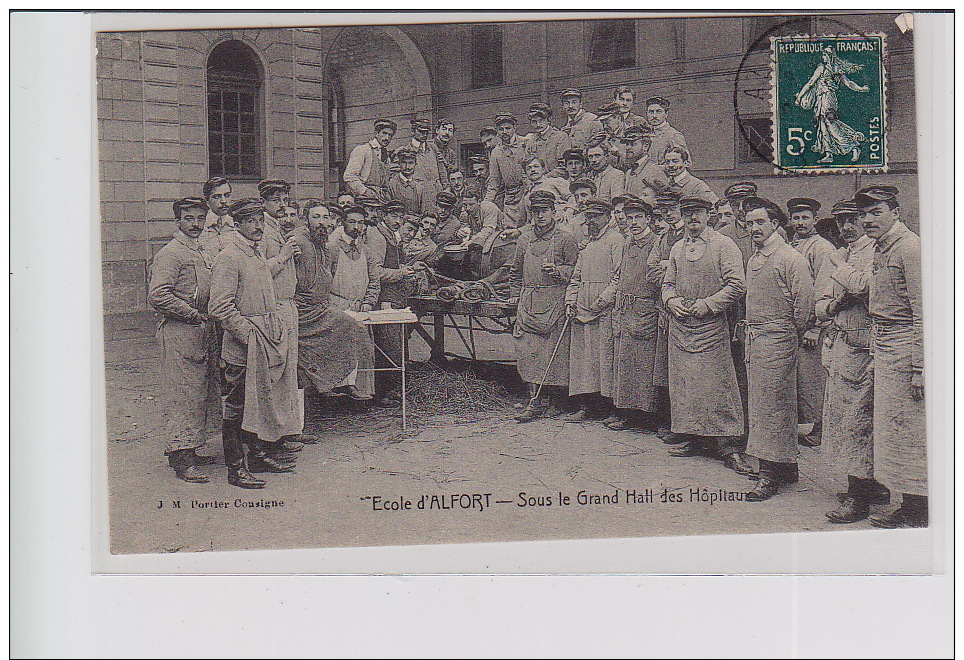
(175, 107)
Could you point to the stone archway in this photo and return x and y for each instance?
(375, 71)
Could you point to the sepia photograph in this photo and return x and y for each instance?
(450, 282)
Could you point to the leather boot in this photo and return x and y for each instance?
(260, 461)
(238, 474)
(737, 462)
(853, 509)
(533, 411)
(202, 460)
(911, 513)
(182, 460)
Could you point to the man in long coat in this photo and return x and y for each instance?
(609, 181)
(849, 404)
(334, 350)
(589, 303)
(644, 176)
(779, 307)
(259, 358)
(546, 141)
(703, 279)
(635, 319)
(506, 182)
(811, 374)
(368, 164)
(179, 290)
(900, 443)
(544, 260)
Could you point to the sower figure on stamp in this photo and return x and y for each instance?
(779, 308)
(259, 358)
(811, 374)
(544, 260)
(848, 408)
(179, 290)
(900, 444)
(635, 319)
(669, 223)
(589, 303)
(279, 249)
(334, 350)
(703, 279)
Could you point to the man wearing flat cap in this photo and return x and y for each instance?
(546, 141)
(664, 135)
(737, 230)
(489, 137)
(570, 216)
(581, 125)
(811, 374)
(644, 176)
(180, 285)
(506, 185)
(402, 185)
(538, 177)
(479, 168)
(635, 321)
(848, 408)
(779, 308)
(613, 130)
(703, 279)
(449, 222)
(355, 271)
(259, 355)
(609, 181)
(894, 284)
(544, 260)
(589, 302)
(368, 164)
(574, 164)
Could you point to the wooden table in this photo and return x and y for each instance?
(502, 315)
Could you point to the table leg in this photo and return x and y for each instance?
(404, 391)
(438, 345)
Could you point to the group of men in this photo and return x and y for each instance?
(728, 325)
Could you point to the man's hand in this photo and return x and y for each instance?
(570, 311)
(917, 386)
(511, 233)
(676, 306)
(289, 249)
(700, 309)
(810, 338)
(365, 308)
(407, 271)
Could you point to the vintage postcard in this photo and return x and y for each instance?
(450, 282)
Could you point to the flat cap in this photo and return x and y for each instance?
(667, 198)
(695, 203)
(245, 207)
(844, 207)
(607, 110)
(504, 117)
(489, 130)
(446, 199)
(385, 123)
(542, 199)
(393, 206)
(595, 207)
(658, 100)
(189, 203)
(540, 109)
(572, 91)
(573, 154)
(355, 208)
(740, 190)
(583, 182)
(421, 124)
(874, 195)
(637, 132)
(597, 140)
(634, 203)
(803, 203)
(269, 186)
(476, 159)
(405, 152)
(753, 202)
(369, 202)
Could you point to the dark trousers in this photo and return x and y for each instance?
(232, 390)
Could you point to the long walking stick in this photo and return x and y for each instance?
(551, 358)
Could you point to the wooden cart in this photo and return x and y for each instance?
(492, 317)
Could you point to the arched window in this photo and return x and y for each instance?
(234, 111)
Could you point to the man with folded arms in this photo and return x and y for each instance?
(703, 279)
(259, 357)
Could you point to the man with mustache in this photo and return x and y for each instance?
(506, 184)
(676, 163)
(368, 164)
(779, 308)
(666, 217)
(581, 125)
(544, 260)
(546, 141)
(643, 176)
(664, 135)
(612, 133)
(703, 279)
(259, 358)
(849, 404)
(894, 283)
(589, 303)
(334, 350)
(811, 374)
(217, 192)
(609, 181)
(402, 185)
(355, 271)
(180, 285)
(479, 167)
(634, 322)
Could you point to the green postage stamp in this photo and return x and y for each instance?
(828, 101)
